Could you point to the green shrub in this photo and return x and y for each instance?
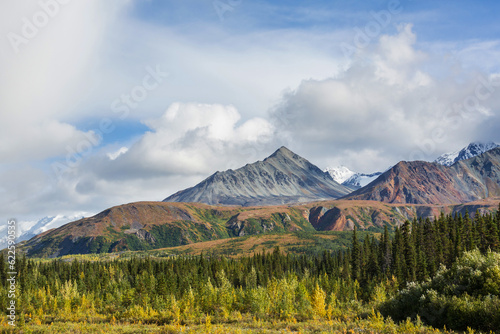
(466, 295)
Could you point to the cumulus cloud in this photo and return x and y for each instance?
(191, 138)
(47, 58)
(386, 107)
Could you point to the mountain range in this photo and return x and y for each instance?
(285, 178)
(282, 193)
(356, 180)
(421, 182)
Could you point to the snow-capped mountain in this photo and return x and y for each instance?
(28, 229)
(340, 173)
(359, 180)
(472, 150)
(347, 177)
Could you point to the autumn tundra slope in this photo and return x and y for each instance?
(152, 225)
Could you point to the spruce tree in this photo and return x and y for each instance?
(469, 232)
(432, 248)
(458, 234)
(492, 235)
(373, 263)
(385, 256)
(365, 258)
(409, 252)
(420, 252)
(498, 220)
(480, 232)
(355, 256)
(346, 267)
(399, 263)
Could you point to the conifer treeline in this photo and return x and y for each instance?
(366, 271)
(418, 248)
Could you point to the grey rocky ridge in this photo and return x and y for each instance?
(282, 178)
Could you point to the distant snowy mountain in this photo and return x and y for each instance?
(472, 150)
(359, 180)
(28, 229)
(340, 173)
(347, 177)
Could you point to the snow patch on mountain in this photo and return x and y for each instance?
(447, 159)
(359, 180)
(340, 174)
(347, 177)
(472, 150)
(28, 229)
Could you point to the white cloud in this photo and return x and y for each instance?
(191, 138)
(28, 141)
(116, 154)
(386, 107)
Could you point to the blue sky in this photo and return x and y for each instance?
(119, 101)
(433, 20)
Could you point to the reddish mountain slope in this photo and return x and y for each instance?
(420, 182)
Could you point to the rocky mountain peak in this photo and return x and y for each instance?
(283, 177)
(282, 154)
